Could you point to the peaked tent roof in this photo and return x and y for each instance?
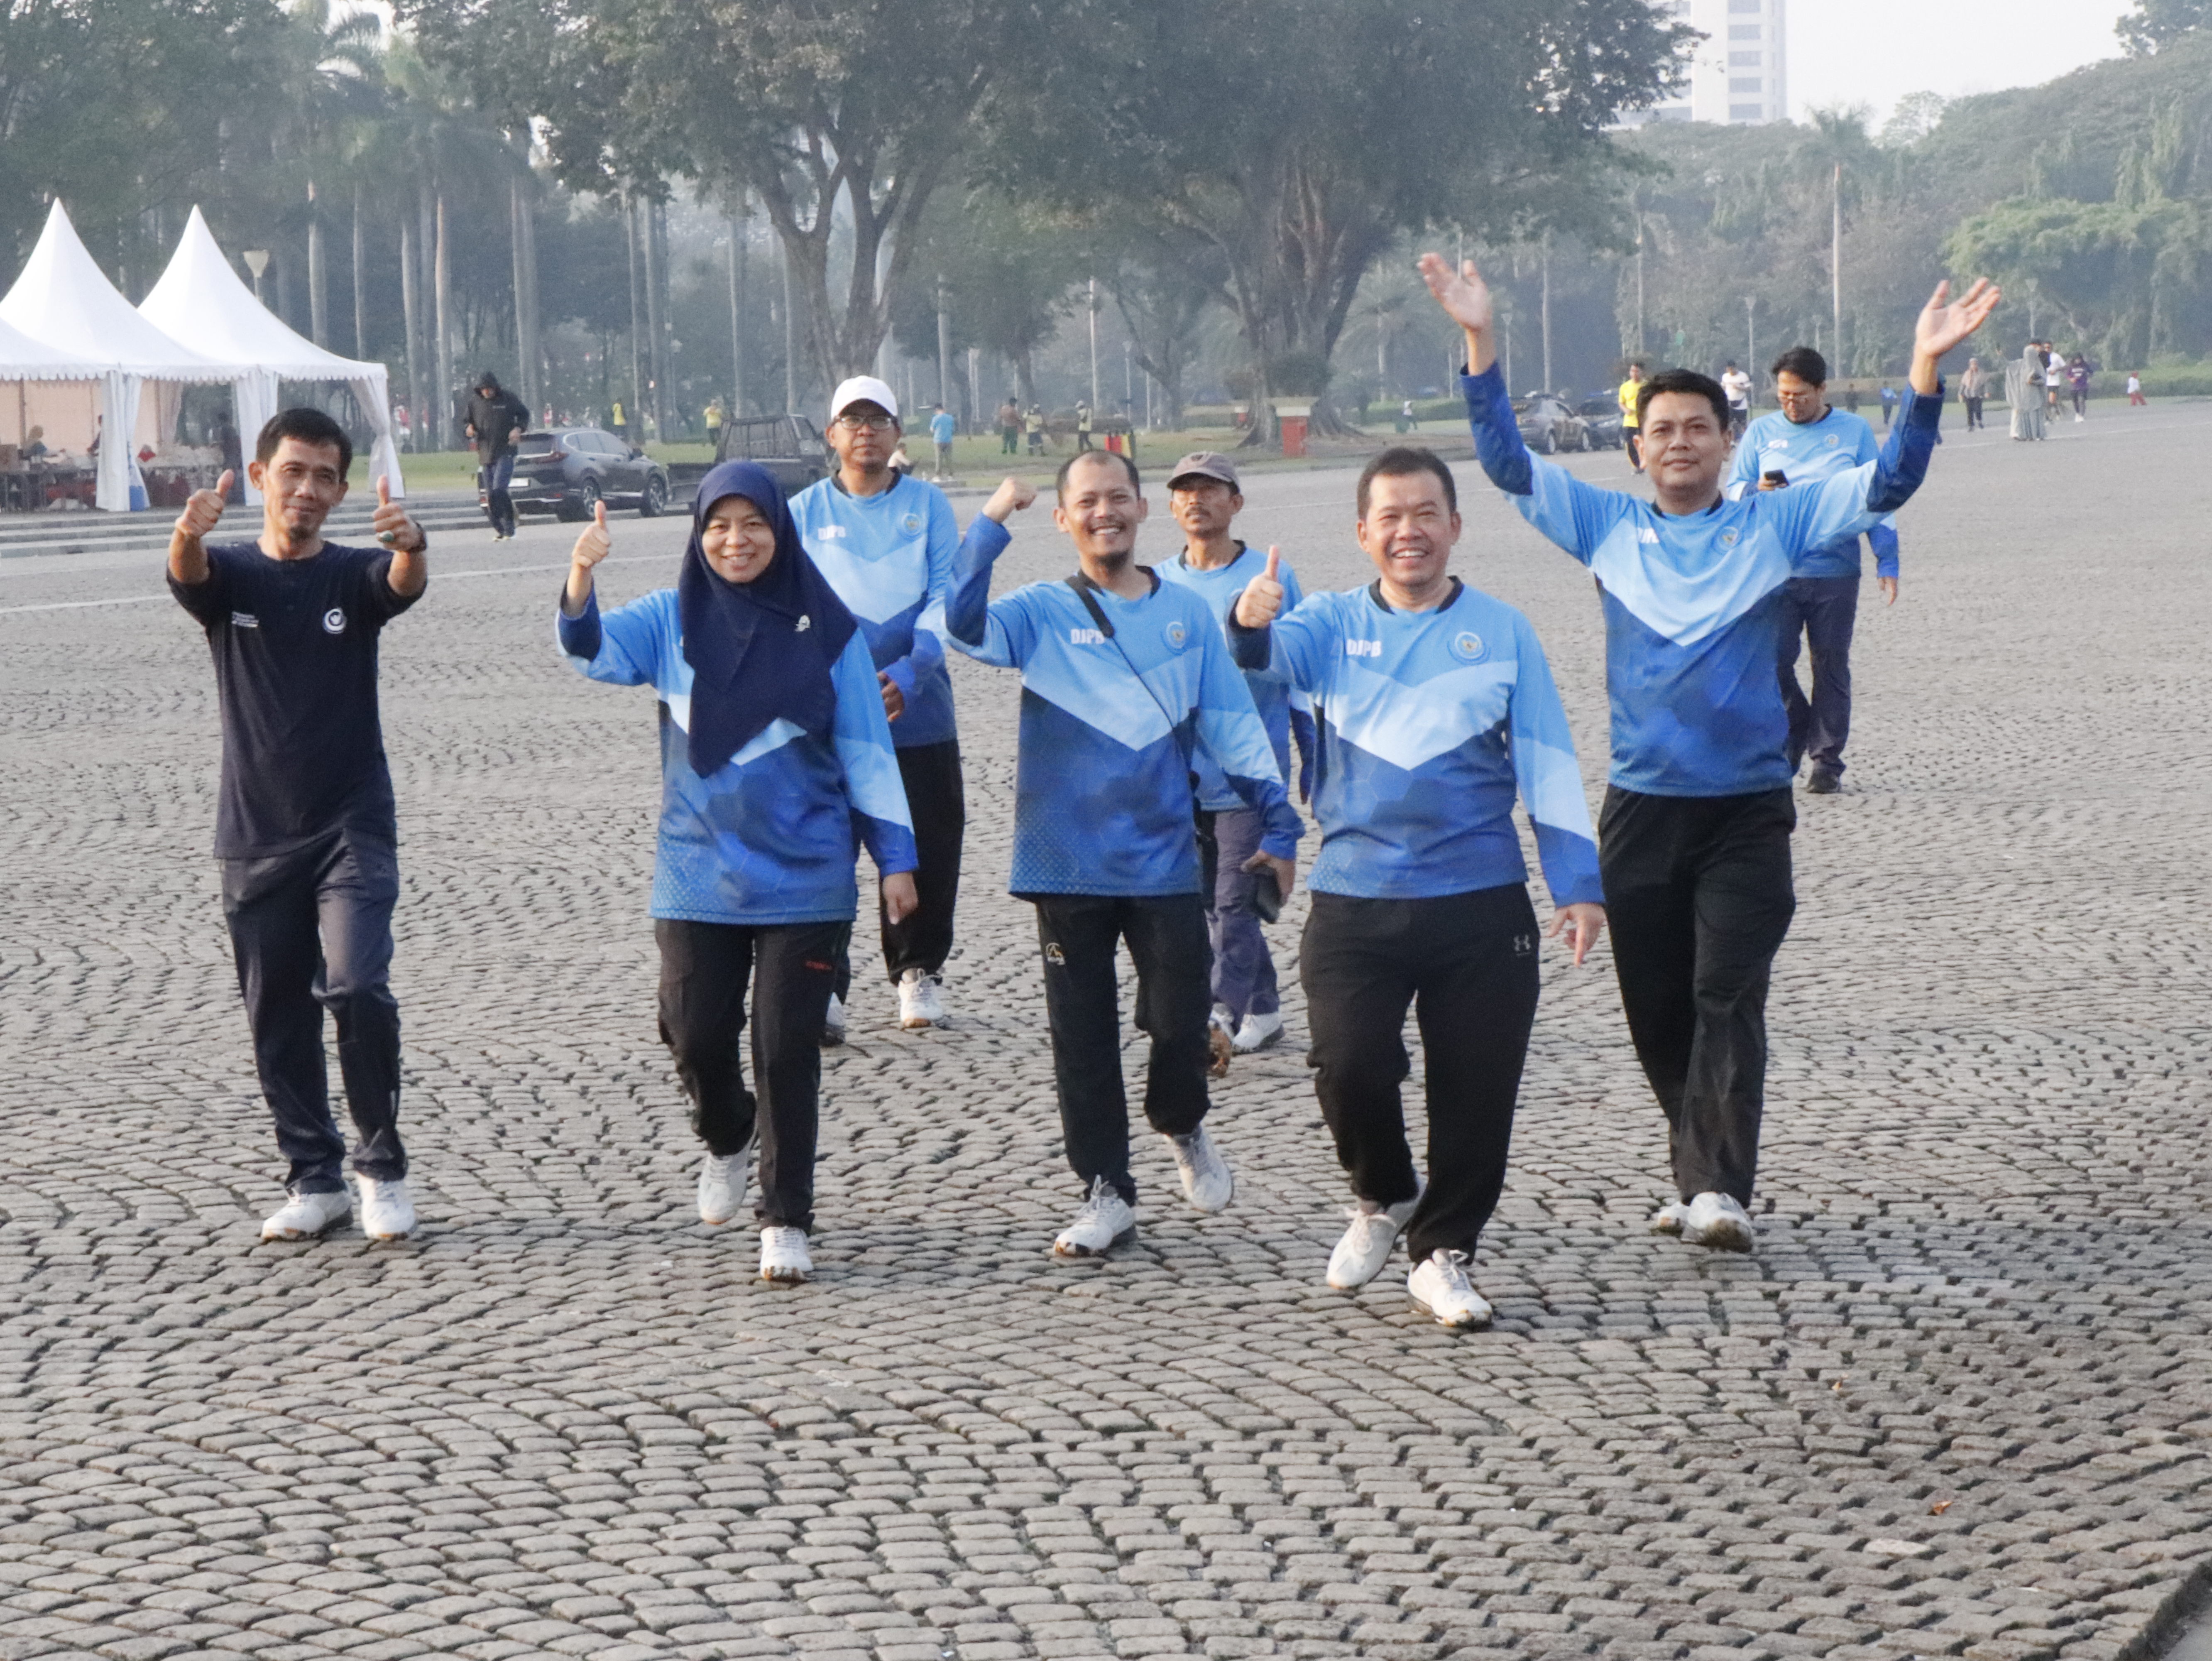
(64, 302)
(23, 358)
(202, 299)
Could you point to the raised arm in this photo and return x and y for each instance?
(969, 618)
(188, 555)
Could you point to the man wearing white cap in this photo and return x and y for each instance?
(885, 541)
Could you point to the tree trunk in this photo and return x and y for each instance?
(524, 237)
(410, 307)
(443, 411)
(359, 283)
(636, 411)
(319, 296)
(1025, 378)
(736, 311)
(656, 314)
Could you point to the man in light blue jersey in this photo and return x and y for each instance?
(1694, 838)
(1437, 708)
(1124, 678)
(1204, 497)
(885, 541)
(1806, 440)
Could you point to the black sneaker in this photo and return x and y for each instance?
(1822, 782)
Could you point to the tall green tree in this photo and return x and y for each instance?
(1297, 138)
(2154, 23)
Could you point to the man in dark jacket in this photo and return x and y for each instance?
(496, 419)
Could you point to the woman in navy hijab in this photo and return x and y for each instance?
(775, 764)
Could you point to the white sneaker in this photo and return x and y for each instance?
(305, 1215)
(1258, 1032)
(833, 1023)
(1208, 1181)
(1104, 1222)
(1440, 1287)
(784, 1261)
(1667, 1219)
(1718, 1221)
(722, 1185)
(387, 1211)
(919, 1004)
(1365, 1247)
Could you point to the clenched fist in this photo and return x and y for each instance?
(1010, 498)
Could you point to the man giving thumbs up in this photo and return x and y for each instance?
(306, 830)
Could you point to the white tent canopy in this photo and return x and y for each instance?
(65, 302)
(201, 299)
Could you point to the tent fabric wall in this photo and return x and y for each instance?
(200, 298)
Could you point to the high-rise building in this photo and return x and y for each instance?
(1740, 71)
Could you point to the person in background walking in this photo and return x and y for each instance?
(1010, 428)
(1406, 418)
(1973, 388)
(714, 425)
(1035, 422)
(1204, 498)
(1629, 397)
(618, 422)
(306, 829)
(2136, 398)
(775, 759)
(885, 541)
(943, 427)
(1803, 443)
(1082, 427)
(2024, 392)
(1888, 405)
(1737, 384)
(2054, 380)
(2077, 385)
(496, 419)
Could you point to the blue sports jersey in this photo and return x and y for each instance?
(1102, 790)
(771, 836)
(1692, 606)
(1270, 696)
(1431, 722)
(1807, 453)
(890, 558)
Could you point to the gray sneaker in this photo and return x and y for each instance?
(1718, 1220)
(1104, 1222)
(1365, 1247)
(1206, 1179)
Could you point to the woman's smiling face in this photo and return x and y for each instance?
(738, 541)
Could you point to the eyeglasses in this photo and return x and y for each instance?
(866, 423)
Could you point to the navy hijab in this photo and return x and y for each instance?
(759, 651)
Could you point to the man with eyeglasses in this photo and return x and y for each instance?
(1805, 440)
(885, 541)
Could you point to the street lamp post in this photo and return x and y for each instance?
(1750, 338)
(257, 261)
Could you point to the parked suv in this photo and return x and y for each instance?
(564, 471)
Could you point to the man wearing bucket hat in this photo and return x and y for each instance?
(1204, 496)
(885, 542)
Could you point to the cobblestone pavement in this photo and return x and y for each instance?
(1959, 1403)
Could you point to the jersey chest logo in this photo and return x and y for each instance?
(911, 524)
(334, 621)
(1466, 646)
(1363, 648)
(1085, 637)
(1177, 638)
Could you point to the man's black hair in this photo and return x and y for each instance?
(487, 381)
(1403, 461)
(1059, 483)
(1688, 382)
(309, 426)
(1807, 365)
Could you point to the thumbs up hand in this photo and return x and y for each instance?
(1262, 602)
(592, 546)
(204, 509)
(394, 528)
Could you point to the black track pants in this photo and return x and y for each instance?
(1697, 892)
(1466, 965)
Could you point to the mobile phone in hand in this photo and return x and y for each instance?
(1774, 477)
(1267, 894)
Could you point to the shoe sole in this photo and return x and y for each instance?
(1728, 1237)
(914, 1023)
(403, 1234)
(1268, 1042)
(785, 1277)
(1473, 1324)
(1081, 1254)
(267, 1238)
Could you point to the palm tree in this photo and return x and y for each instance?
(335, 75)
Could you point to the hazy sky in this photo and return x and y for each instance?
(1874, 51)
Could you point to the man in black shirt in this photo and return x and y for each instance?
(306, 829)
(496, 419)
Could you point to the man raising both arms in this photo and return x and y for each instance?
(885, 541)
(1204, 496)
(1693, 842)
(1123, 676)
(1805, 440)
(1437, 708)
(306, 829)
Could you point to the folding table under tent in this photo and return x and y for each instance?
(201, 300)
(37, 373)
(65, 302)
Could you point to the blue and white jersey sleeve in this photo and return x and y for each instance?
(862, 735)
(1577, 517)
(622, 648)
(1550, 781)
(1230, 733)
(1001, 634)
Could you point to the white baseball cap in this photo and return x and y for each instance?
(863, 389)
